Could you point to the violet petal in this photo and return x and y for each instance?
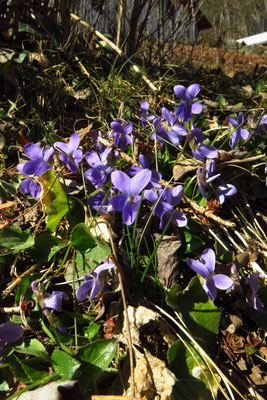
(82, 291)
(223, 282)
(209, 259)
(198, 267)
(10, 332)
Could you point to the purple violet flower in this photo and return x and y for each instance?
(54, 301)
(94, 282)
(97, 201)
(235, 129)
(160, 133)
(253, 298)
(121, 133)
(39, 160)
(165, 209)
(225, 190)
(98, 174)
(200, 151)
(205, 267)
(29, 186)
(174, 131)
(188, 107)
(205, 176)
(155, 177)
(9, 333)
(70, 154)
(128, 202)
(145, 119)
(45, 300)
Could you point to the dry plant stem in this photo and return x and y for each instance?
(10, 310)
(215, 104)
(83, 69)
(208, 214)
(115, 48)
(14, 284)
(7, 204)
(129, 338)
(238, 161)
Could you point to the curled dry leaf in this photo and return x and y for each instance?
(153, 380)
(183, 167)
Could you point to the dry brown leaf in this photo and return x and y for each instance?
(183, 167)
(153, 380)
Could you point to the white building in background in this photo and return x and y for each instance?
(261, 38)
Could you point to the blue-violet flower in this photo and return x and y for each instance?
(235, 129)
(70, 154)
(121, 133)
(205, 267)
(9, 333)
(39, 162)
(94, 282)
(188, 107)
(128, 202)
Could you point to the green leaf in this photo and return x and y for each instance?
(221, 100)
(34, 348)
(28, 370)
(56, 203)
(87, 246)
(81, 238)
(10, 187)
(96, 358)
(53, 244)
(28, 29)
(4, 387)
(97, 253)
(20, 58)
(193, 242)
(64, 364)
(186, 366)
(16, 368)
(105, 45)
(76, 215)
(198, 312)
(13, 238)
(91, 330)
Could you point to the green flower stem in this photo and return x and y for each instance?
(183, 149)
(43, 381)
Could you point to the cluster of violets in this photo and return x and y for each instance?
(127, 189)
(173, 127)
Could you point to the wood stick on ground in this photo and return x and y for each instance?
(201, 210)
